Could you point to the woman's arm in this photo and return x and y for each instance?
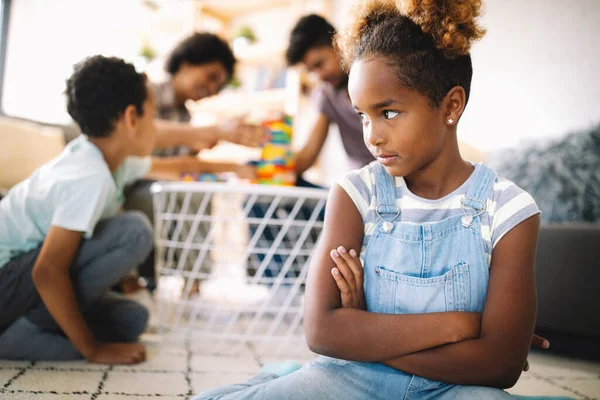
(355, 334)
(497, 357)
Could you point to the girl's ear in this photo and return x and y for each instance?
(453, 105)
(131, 118)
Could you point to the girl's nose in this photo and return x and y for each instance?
(375, 136)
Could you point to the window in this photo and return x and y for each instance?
(4, 9)
(46, 38)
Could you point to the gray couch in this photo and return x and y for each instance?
(568, 288)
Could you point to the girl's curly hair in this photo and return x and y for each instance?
(426, 41)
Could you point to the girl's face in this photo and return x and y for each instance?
(402, 130)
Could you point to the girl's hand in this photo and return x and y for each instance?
(537, 341)
(348, 276)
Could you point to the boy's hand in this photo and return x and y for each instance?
(246, 171)
(118, 353)
(239, 132)
(348, 276)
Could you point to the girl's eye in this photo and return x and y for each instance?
(363, 117)
(388, 114)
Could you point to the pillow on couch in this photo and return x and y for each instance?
(563, 176)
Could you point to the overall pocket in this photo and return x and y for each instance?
(403, 294)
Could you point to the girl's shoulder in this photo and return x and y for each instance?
(359, 185)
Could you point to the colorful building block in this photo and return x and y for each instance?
(277, 165)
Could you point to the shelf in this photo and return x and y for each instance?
(228, 9)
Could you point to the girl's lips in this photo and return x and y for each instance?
(386, 159)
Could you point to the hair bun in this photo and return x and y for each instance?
(452, 23)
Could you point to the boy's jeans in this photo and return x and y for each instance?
(28, 331)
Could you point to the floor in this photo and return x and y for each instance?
(177, 369)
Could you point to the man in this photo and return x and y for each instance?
(311, 44)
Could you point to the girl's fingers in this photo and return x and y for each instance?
(342, 286)
(344, 269)
(353, 262)
(538, 341)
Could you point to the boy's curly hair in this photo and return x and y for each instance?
(99, 91)
(426, 41)
(311, 31)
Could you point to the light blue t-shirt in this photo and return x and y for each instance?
(73, 191)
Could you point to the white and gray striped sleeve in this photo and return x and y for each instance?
(513, 205)
(358, 185)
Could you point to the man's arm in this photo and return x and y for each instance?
(311, 150)
(342, 332)
(497, 357)
(171, 168)
(51, 278)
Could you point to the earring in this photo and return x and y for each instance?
(450, 121)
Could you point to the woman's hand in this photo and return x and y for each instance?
(348, 275)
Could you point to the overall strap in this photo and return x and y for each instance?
(479, 190)
(385, 192)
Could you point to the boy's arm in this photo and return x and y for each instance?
(171, 168)
(171, 134)
(343, 332)
(51, 278)
(309, 153)
(497, 357)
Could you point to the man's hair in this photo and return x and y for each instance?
(201, 48)
(99, 91)
(311, 31)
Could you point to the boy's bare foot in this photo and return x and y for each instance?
(131, 284)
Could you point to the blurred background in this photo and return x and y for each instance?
(535, 72)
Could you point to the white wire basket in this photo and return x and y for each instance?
(232, 263)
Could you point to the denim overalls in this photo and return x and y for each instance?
(409, 268)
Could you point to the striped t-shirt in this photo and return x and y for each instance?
(507, 205)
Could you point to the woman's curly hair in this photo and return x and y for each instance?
(426, 41)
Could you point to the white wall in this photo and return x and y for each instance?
(536, 72)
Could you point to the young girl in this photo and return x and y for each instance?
(446, 308)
